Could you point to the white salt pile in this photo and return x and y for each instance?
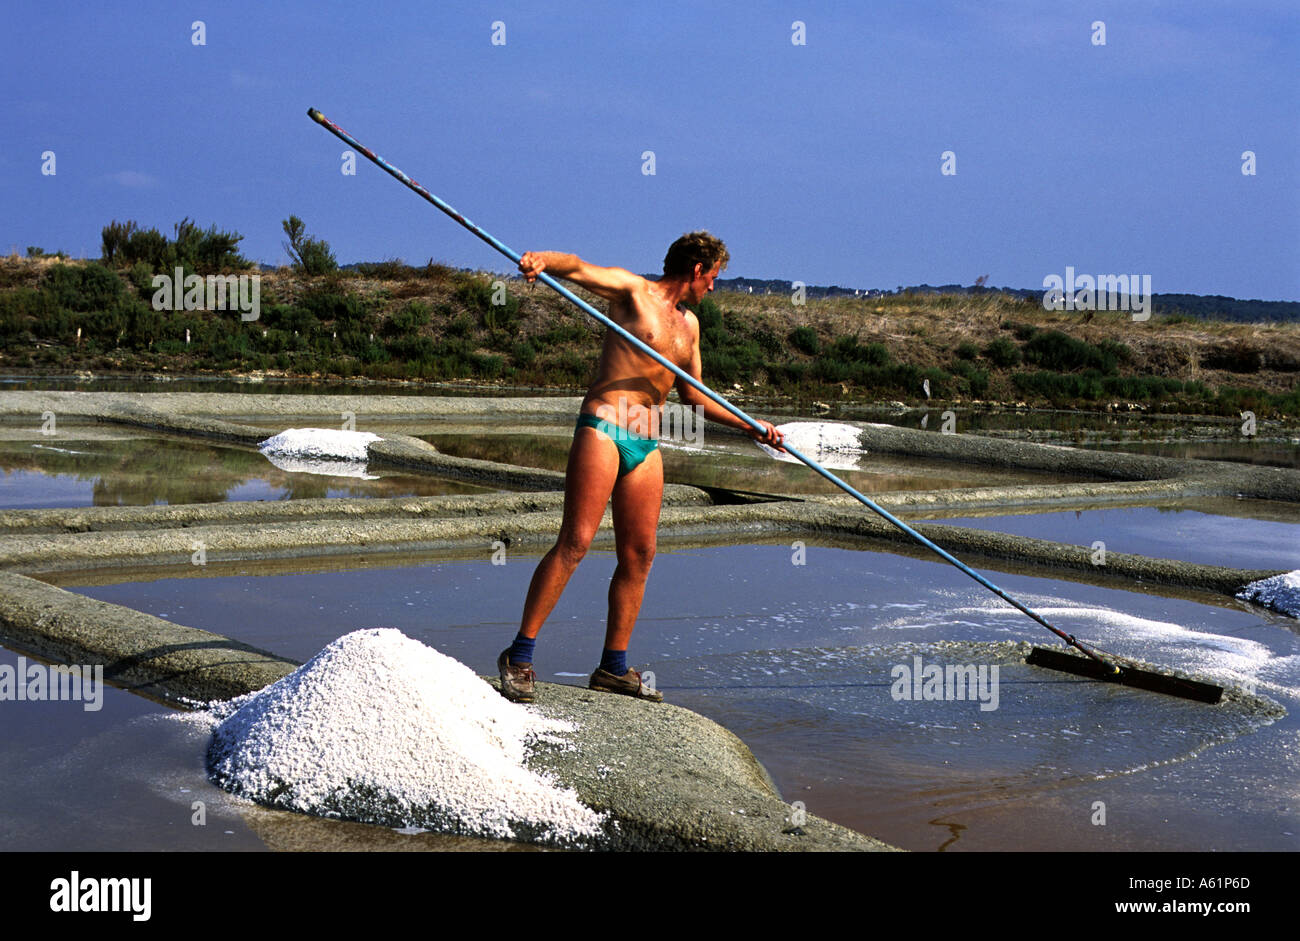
(831, 444)
(1280, 592)
(379, 728)
(320, 443)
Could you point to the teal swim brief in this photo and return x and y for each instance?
(632, 448)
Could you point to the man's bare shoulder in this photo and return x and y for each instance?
(610, 283)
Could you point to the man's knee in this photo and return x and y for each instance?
(637, 559)
(572, 547)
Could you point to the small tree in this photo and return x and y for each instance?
(116, 237)
(310, 255)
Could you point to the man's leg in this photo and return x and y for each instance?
(637, 499)
(588, 481)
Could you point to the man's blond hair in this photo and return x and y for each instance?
(695, 248)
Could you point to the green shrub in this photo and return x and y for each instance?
(719, 366)
(805, 340)
(1052, 349)
(83, 288)
(709, 314)
(790, 374)
(1022, 331)
(24, 309)
(205, 250)
(489, 367)
(289, 318)
(141, 278)
(503, 317)
(461, 326)
(437, 272)
(940, 382)
(1121, 351)
(391, 269)
(197, 250)
(143, 323)
(114, 239)
(850, 350)
(1003, 353)
(1239, 358)
(977, 379)
(829, 370)
(408, 320)
(563, 334)
(151, 247)
(768, 342)
(1060, 388)
(570, 367)
(309, 255)
(412, 348)
(967, 350)
(475, 294)
(345, 311)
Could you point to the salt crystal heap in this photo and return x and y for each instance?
(831, 444)
(320, 443)
(1280, 592)
(379, 728)
(320, 451)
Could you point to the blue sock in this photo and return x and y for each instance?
(614, 661)
(521, 651)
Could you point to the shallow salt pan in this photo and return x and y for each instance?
(379, 728)
(320, 443)
(1281, 593)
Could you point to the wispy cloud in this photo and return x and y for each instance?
(133, 178)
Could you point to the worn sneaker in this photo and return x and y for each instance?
(629, 684)
(516, 679)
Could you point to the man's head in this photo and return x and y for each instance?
(695, 248)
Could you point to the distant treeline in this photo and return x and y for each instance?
(1201, 306)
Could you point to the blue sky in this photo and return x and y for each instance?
(818, 162)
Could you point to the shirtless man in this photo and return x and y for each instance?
(608, 459)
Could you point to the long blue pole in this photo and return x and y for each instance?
(689, 379)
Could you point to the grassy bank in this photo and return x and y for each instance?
(391, 321)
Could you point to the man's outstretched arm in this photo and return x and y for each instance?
(609, 283)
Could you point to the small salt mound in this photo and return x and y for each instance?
(830, 444)
(1280, 592)
(379, 728)
(320, 443)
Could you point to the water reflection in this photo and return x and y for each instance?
(738, 464)
(64, 471)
